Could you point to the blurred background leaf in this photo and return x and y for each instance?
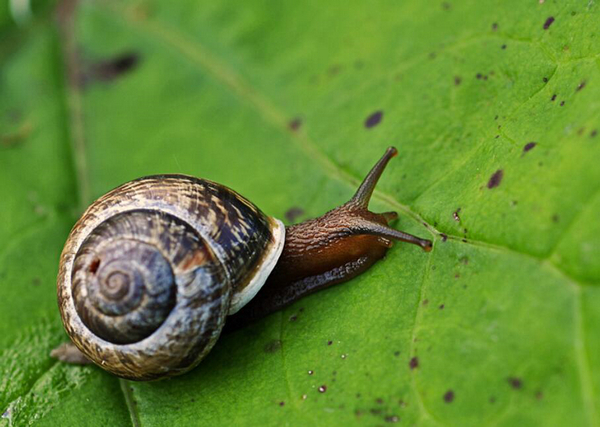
(495, 109)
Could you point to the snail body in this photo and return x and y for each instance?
(152, 269)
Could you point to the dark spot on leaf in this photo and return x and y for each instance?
(446, 6)
(334, 69)
(515, 382)
(457, 80)
(553, 97)
(464, 259)
(379, 400)
(464, 240)
(282, 403)
(293, 318)
(594, 133)
(115, 67)
(545, 79)
(580, 131)
(432, 55)
(425, 301)
(323, 389)
(396, 353)
(329, 342)
(374, 119)
(581, 86)
(444, 237)
(548, 22)
(392, 419)
(376, 411)
(293, 213)
(495, 179)
(539, 395)
(479, 76)
(295, 124)
(529, 146)
(414, 363)
(494, 26)
(492, 399)
(272, 346)
(562, 103)
(36, 281)
(442, 306)
(555, 218)
(449, 396)
(455, 215)
(503, 46)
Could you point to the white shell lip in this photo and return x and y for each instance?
(240, 299)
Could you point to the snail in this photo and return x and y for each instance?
(154, 269)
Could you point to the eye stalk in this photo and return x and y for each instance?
(328, 250)
(379, 226)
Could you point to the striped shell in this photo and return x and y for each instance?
(151, 270)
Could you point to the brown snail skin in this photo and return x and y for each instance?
(153, 270)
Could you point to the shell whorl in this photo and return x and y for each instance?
(123, 285)
(146, 276)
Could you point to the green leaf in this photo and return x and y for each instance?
(495, 110)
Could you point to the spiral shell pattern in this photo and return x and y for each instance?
(147, 274)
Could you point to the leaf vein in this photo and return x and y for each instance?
(583, 363)
(72, 93)
(286, 378)
(413, 337)
(130, 403)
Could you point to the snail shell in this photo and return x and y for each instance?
(151, 270)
